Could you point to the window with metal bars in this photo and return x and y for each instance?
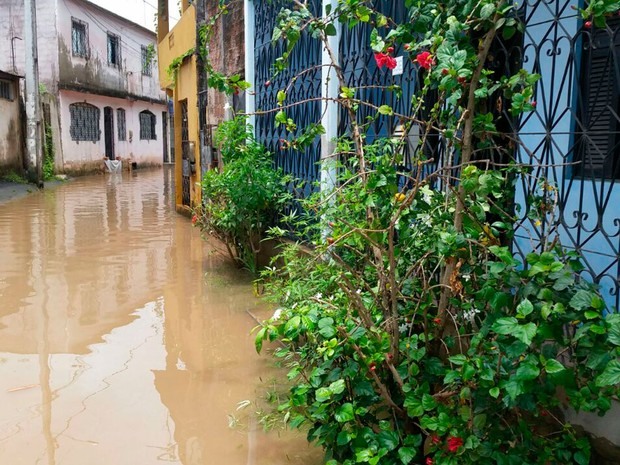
(147, 125)
(597, 126)
(146, 61)
(120, 124)
(5, 89)
(114, 50)
(79, 38)
(84, 122)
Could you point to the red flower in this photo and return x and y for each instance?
(429, 461)
(194, 219)
(383, 59)
(454, 443)
(435, 439)
(425, 60)
(437, 321)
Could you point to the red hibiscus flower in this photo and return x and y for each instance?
(425, 60)
(429, 461)
(384, 59)
(454, 443)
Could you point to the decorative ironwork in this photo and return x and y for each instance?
(84, 122)
(306, 56)
(121, 124)
(186, 170)
(148, 123)
(571, 139)
(79, 38)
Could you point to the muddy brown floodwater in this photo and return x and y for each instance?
(124, 337)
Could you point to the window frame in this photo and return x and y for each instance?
(9, 86)
(85, 53)
(121, 124)
(78, 129)
(148, 129)
(147, 65)
(598, 158)
(111, 39)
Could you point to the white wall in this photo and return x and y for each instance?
(84, 153)
(12, 25)
(94, 73)
(11, 141)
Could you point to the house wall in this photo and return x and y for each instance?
(227, 54)
(93, 73)
(176, 43)
(85, 156)
(11, 134)
(12, 25)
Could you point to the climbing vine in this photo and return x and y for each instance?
(173, 69)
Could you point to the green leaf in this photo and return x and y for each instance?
(330, 30)
(406, 454)
(610, 376)
(614, 329)
(323, 394)
(553, 366)
(386, 110)
(524, 308)
(344, 413)
(527, 371)
(388, 439)
(494, 392)
(344, 437)
(487, 10)
(505, 325)
(260, 336)
(591, 315)
(281, 96)
(337, 387)
(582, 299)
(428, 402)
(458, 359)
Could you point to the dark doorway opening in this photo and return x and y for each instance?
(108, 132)
(164, 121)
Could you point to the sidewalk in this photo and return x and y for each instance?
(12, 190)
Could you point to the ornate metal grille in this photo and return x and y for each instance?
(121, 124)
(84, 122)
(306, 56)
(572, 137)
(185, 167)
(5, 89)
(148, 122)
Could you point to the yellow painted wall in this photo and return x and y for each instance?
(179, 40)
(176, 43)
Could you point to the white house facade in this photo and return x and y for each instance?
(99, 83)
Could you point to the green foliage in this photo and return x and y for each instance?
(14, 177)
(411, 332)
(48, 154)
(379, 374)
(246, 197)
(175, 65)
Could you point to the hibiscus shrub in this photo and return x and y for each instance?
(379, 375)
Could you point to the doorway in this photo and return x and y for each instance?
(164, 121)
(108, 132)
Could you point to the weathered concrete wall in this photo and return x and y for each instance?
(227, 51)
(84, 156)
(12, 25)
(93, 73)
(11, 134)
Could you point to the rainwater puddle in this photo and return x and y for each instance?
(124, 337)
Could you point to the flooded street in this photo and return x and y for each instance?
(124, 337)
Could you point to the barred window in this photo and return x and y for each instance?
(5, 89)
(84, 122)
(120, 124)
(147, 125)
(79, 38)
(114, 50)
(146, 60)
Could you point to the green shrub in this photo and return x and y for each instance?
(245, 197)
